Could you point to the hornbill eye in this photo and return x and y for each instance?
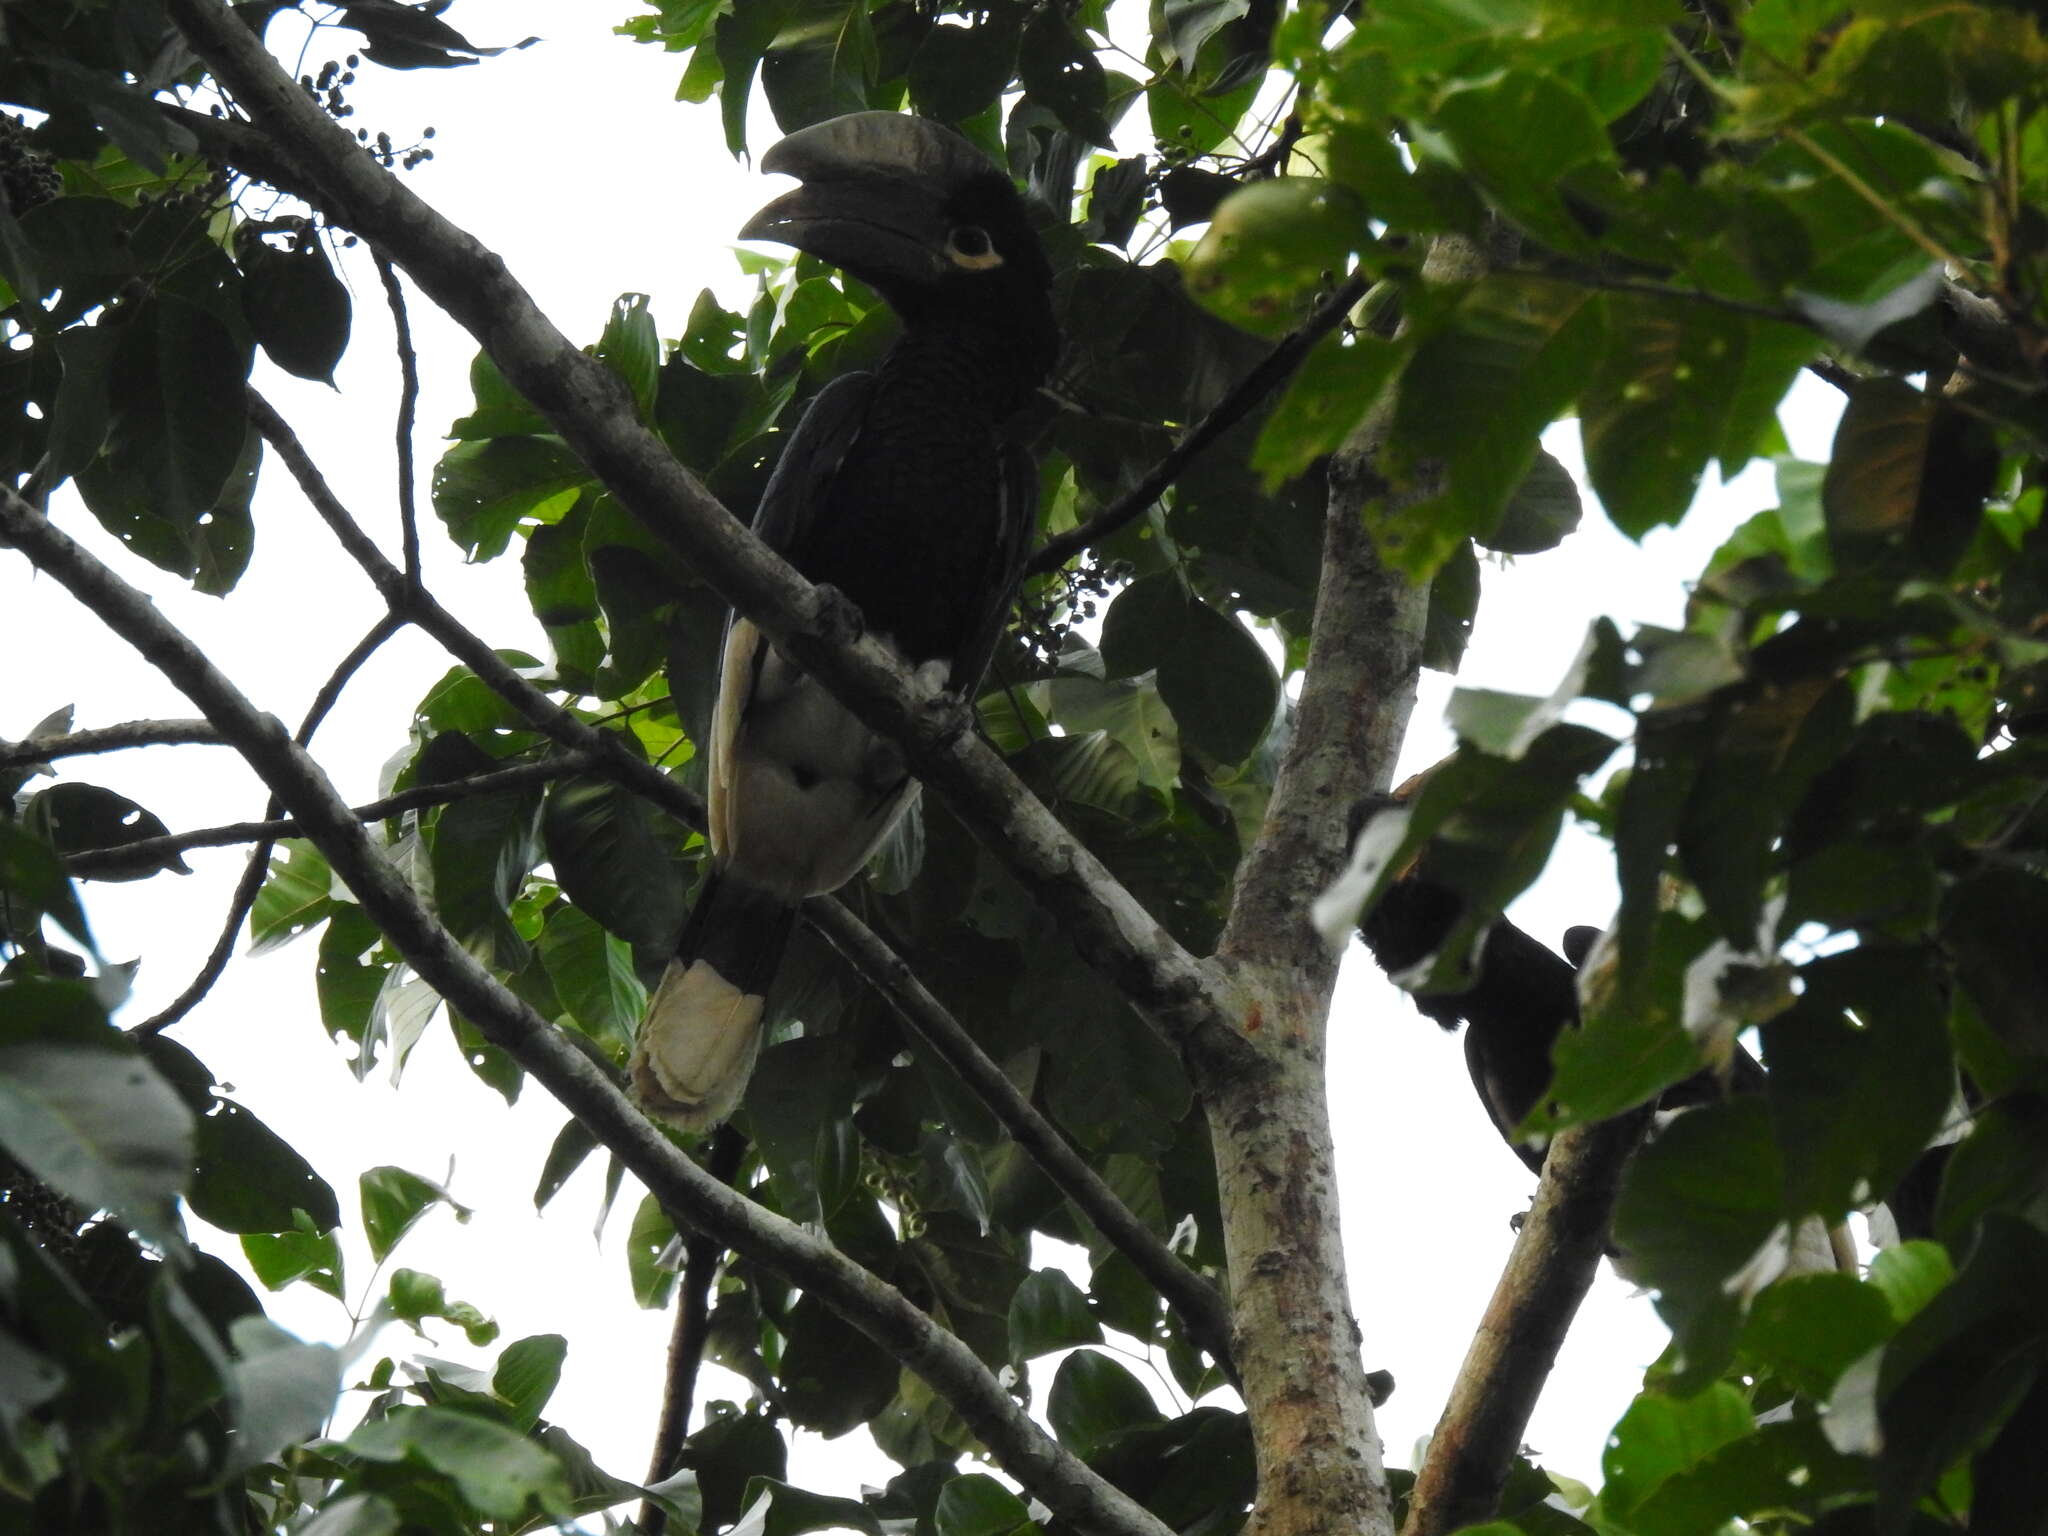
(970, 244)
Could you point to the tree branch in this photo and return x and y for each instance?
(1200, 1305)
(877, 1309)
(692, 1331)
(148, 852)
(258, 864)
(408, 407)
(108, 738)
(816, 627)
(1265, 376)
(1552, 1266)
(1193, 1297)
(1321, 1466)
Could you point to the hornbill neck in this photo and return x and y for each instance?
(993, 362)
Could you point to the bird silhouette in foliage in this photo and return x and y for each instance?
(899, 489)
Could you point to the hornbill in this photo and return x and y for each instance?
(898, 489)
(1522, 997)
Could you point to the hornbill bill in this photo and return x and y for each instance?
(898, 489)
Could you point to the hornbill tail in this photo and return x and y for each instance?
(697, 1044)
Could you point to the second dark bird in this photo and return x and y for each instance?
(898, 489)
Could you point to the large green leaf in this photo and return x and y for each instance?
(86, 1114)
(499, 1473)
(295, 305)
(609, 851)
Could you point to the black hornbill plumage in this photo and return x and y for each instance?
(1522, 997)
(899, 490)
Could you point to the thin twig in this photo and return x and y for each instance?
(879, 1310)
(408, 410)
(258, 864)
(701, 1255)
(1200, 1305)
(1548, 1274)
(108, 738)
(1265, 376)
(148, 852)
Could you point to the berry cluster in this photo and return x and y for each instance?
(27, 176)
(1044, 624)
(329, 88)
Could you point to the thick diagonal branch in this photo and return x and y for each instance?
(817, 628)
(877, 1309)
(1510, 1357)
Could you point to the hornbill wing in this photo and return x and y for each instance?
(788, 508)
(1017, 493)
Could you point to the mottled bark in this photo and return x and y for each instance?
(1321, 1469)
(1555, 1258)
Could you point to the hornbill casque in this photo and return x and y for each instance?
(898, 489)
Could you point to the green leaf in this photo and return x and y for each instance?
(484, 490)
(283, 1390)
(1522, 135)
(31, 873)
(296, 897)
(415, 1296)
(393, 1200)
(1094, 1401)
(483, 848)
(1048, 1313)
(1653, 413)
(82, 818)
(572, 1144)
(1697, 1203)
(499, 1474)
(1861, 1074)
(1661, 1436)
(1910, 474)
(1910, 1275)
(1212, 674)
(527, 1373)
(651, 1238)
(1327, 398)
(1808, 1329)
(593, 976)
(978, 1505)
(834, 1377)
(85, 1114)
(1780, 1466)
(295, 305)
(1963, 1362)
(250, 1180)
(631, 348)
(1541, 513)
(958, 71)
(609, 852)
(1476, 397)
(1271, 247)
(1060, 72)
(280, 1258)
(196, 373)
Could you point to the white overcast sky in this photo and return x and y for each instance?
(573, 161)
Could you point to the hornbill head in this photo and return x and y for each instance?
(919, 214)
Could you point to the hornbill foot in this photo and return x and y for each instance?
(835, 617)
